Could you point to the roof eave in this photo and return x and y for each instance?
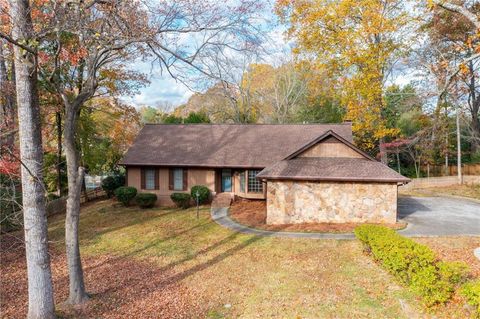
(333, 179)
(192, 165)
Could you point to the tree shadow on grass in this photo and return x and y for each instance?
(150, 245)
(160, 278)
(127, 287)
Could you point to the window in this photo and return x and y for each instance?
(242, 182)
(254, 185)
(149, 178)
(178, 179)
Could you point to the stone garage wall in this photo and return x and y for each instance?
(290, 202)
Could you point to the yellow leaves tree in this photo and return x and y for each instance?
(354, 43)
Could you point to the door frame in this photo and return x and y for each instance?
(229, 173)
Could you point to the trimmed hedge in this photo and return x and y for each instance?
(125, 194)
(182, 200)
(146, 200)
(111, 183)
(203, 191)
(471, 292)
(412, 263)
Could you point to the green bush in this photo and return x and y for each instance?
(146, 200)
(125, 194)
(52, 196)
(471, 291)
(182, 200)
(111, 183)
(203, 191)
(412, 263)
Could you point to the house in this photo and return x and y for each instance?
(305, 172)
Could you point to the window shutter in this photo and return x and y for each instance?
(142, 178)
(170, 179)
(185, 179)
(157, 178)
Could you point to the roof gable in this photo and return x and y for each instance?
(328, 137)
(223, 145)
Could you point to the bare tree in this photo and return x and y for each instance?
(40, 290)
(105, 36)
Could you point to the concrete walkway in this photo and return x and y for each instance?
(426, 217)
(220, 216)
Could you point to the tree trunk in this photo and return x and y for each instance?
(7, 104)
(398, 162)
(383, 151)
(77, 292)
(58, 117)
(40, 290)
(475, 128)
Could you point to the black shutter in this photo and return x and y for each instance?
(142, 178)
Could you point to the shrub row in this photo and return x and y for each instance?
(125, 195)
(413, 264)
(111, 183)
(471, 291)
(183, 200)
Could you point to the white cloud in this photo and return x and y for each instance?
(162, 87)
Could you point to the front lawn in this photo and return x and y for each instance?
(470, 191)
(165, 263)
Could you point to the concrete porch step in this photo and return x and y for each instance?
(222, 200)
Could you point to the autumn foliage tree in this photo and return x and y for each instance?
(355, 44)
(84, 47)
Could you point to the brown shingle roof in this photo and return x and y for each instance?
(223, 145)
(332, 169)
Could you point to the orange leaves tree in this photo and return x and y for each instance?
(355, 44)
(84, 48)
(454, 34)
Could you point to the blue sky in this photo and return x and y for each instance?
(165, 90)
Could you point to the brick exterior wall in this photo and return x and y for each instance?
(290, 202)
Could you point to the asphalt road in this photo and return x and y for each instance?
(439, 216)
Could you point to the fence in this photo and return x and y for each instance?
(440, 181)
(59, 205)
(439, 170)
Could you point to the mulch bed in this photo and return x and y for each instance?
(253, 213)
(120, 287)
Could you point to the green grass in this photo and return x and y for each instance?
(258, 276)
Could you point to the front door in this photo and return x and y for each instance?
(226, 180)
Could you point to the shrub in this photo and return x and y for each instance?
(182, 200)
(52, 196)
(203, 191)
(125, 194)
(412, 263)
(471, 291)
(146, 200)
(111, 183)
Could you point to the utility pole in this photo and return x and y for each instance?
(459, 148)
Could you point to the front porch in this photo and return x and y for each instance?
(240, 183)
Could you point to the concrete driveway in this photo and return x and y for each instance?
(439, 216)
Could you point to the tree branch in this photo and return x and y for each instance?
(15, 42)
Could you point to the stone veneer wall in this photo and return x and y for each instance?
(291, 202)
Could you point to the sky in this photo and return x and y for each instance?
(164, 90)
(168, 93)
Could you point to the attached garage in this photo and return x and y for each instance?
(331, 181)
